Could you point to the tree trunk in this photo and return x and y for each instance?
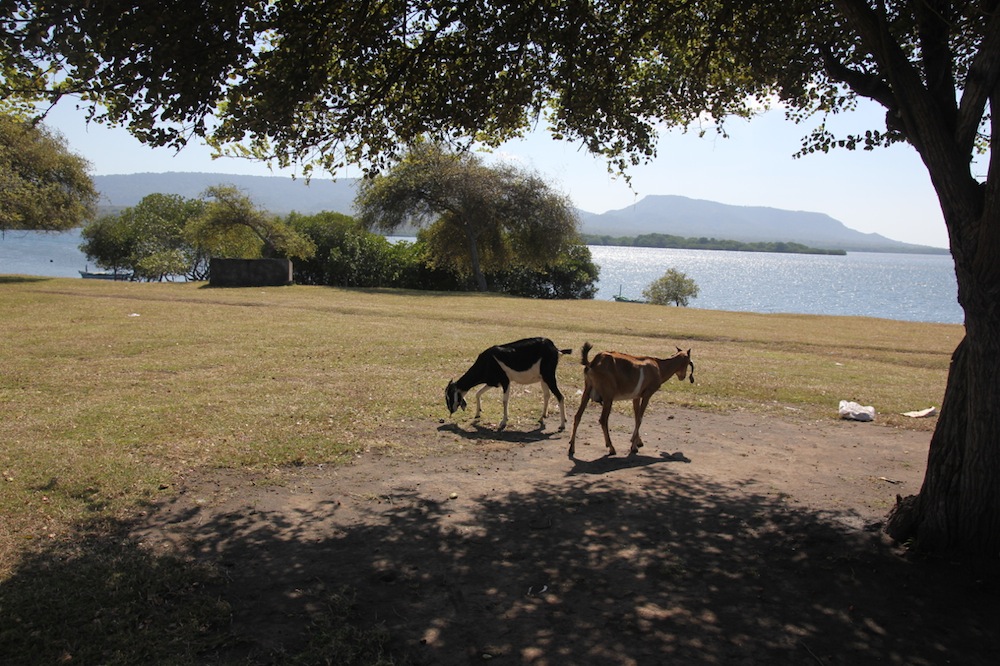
(958, 507)
(477, 269)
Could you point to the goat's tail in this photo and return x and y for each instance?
(584, 361)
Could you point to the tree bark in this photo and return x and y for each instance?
(958, 506)
(477, 269)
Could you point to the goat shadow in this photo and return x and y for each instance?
(479, 431)
(609, 463)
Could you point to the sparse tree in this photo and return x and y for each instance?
(609, 74)
(43, 186)
(147, 240)
(481, 217)
(230, 225)
(166, 234)
(674, 287)
(108, 242)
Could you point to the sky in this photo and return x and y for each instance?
(885, 191)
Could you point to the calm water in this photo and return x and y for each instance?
(915, 287)
(34, 253)
(891, 286)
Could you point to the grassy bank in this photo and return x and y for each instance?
(110, 393)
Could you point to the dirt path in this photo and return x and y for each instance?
(731, 539)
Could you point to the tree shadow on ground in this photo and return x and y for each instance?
(579, 570)
(99, 599)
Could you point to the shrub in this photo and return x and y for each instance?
(674, 287)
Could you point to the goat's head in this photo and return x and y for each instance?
(454, 397)
(685, 358)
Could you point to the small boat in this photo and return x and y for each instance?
(104, 275)
(623, 299)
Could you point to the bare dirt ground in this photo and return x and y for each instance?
(730, 539)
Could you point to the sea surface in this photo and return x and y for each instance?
(907, 287)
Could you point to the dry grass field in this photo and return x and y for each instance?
(116, 399)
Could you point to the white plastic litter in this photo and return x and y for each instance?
(855, 412)
(922, 413)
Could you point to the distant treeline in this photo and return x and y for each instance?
(676, 242)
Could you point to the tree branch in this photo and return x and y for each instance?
(920, 117)
(866, 85)
(935, 23)
(981, 81)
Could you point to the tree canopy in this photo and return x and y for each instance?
(332, 82)
(148, 241)
(481, 217)
(328, 83)
(43, 186)
(166, 235)
(231, 225)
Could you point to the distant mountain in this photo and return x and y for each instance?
(277, 194)
(695, 218)
(662, 214)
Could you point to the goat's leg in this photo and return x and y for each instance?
(562, 413)
(479, 405)
(506, 399)
(605, 414)
(562, 404)
(576, 420)
(549, 387)
(545, 401)
(639, 408)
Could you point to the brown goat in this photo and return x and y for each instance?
(615, 376)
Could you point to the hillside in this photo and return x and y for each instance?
(278, 194)
(695, 218)
(663, 214)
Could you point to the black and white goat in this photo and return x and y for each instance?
(527, 361)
